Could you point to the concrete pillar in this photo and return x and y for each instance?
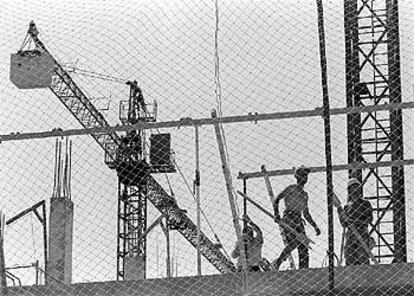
(134, 268)
(59, 268)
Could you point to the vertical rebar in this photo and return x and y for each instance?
(328, 152)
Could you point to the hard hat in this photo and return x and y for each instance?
(302, 170)
(353, 181)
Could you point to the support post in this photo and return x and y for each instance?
(245, 211)
(45, 245)
(37, 272)
(229, 186)
(328, 152)
(166, 231)
(3, 283)
(197, 194)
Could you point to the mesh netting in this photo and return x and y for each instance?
(120, 203)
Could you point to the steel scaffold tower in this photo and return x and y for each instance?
(373, 77)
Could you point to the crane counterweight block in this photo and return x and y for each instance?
(31, 69)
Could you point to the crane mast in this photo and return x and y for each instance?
(373, 77)
(132, 165)
(129, 156)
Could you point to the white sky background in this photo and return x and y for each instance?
(269, 62)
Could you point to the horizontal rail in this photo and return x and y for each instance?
(341, 167)
(188, 121)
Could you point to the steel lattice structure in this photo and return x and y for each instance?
(373, 77)
(136, 185)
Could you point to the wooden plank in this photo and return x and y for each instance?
(229, 187)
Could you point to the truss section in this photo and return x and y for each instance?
(373, 78)
(180, 221)
(76, 101)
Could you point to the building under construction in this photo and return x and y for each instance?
(141, 149)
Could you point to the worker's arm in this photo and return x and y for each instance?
(236, 251)
(276, 204)
(347, 215)
(357, 213)
(309, 218)
(258, 231)
(343, 217)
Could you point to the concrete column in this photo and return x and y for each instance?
(59, 268)
(134, 268)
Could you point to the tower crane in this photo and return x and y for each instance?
(127, 154)
(373, 77)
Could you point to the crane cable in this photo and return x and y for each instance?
(219, 94)
(78, 71)
(93, 74)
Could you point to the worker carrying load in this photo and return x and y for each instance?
(253, 245)
(296, 203)
(355, 216)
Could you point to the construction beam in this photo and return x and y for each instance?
(319, 169)
(25, 212)
(188, 121)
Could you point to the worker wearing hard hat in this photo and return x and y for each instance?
(357, 212)
(296, 204)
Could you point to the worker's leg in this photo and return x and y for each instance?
(351, 256)
(294, 221)
(303, 256)
(355, 254)
(362, 257)
(302, 249)
(291, 244)
(285, 253)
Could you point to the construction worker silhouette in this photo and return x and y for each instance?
(296, 203)
(253, 245)
(357, 212)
